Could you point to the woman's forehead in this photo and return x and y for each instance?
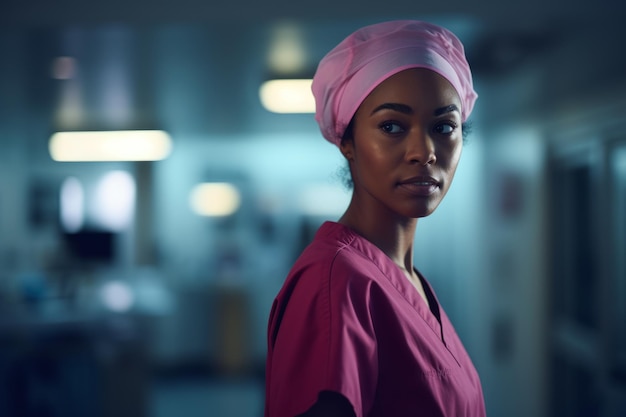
(414, 87)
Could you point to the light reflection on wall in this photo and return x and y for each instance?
(277, 170)
(113, 202)
(117, 296)
(72, 210)
(327, 200)
(214, 199)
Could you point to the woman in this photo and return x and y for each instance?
(356, 330)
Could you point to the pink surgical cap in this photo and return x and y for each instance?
(367, 57)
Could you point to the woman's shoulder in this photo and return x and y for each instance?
(335, 251)
(330, 255)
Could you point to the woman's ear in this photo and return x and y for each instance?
(347, 149)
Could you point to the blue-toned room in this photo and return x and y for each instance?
(162, 168)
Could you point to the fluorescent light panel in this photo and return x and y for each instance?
(215, 199)
(287, 96)
(120, 145)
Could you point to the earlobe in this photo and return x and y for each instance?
(346, 150)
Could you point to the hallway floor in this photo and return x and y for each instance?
(198, 397)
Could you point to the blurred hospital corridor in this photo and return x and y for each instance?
(136, 285)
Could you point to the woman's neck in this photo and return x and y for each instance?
(389, 232)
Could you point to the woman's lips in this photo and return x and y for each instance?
(420, 186)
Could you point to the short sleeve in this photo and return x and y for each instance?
(321, 338)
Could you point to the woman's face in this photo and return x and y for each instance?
(406, 144)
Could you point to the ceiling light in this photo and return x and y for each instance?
(215, 199)
(121, 145)
(287, 53)
(287, 96)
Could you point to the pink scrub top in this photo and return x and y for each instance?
(348, 320)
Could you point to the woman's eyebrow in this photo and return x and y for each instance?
(447, 109)
(402, 108)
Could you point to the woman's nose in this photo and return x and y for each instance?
(420, 149)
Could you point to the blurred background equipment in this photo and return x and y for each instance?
(134, 285)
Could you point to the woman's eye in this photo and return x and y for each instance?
(445, 128)
(391, 127)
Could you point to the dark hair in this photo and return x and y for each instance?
(344, 173)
